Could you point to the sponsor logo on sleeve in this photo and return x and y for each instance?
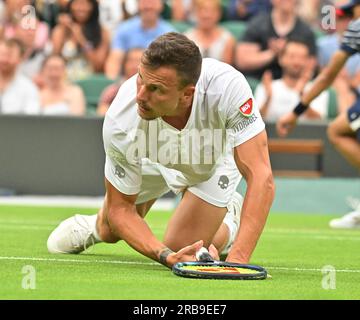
(244, 123)
(247, 108)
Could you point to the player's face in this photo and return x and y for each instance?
(158, 92)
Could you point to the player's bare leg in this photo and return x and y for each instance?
(80, 232)
(343, 138)
(195, 219)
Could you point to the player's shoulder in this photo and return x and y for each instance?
(216, 75)
(122, 110)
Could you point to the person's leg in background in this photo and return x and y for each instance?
(344, 134)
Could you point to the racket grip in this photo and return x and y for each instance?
(204, 256)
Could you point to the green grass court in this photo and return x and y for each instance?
(294, 248)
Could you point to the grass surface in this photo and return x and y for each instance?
(294, 248)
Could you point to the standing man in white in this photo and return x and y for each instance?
(187, 125)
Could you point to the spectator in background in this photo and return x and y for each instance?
(212, 40)
(58, 96)
(49, 10)
(80, 38)
(347, 83)
(182, 10)
(266, 36)
(17, 17)
(17, 93)
(247, 9)
(310, 11)
(137, 32)
(276, 98)
(131, 64)
(34, 54)
(112, 12)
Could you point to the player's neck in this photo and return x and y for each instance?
(180, 120)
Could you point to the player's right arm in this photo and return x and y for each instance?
(287, 122)
(128, 225)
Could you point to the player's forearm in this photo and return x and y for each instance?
(256, 207)
(129, 226)
(326, 77)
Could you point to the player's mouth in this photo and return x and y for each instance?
(143, 109)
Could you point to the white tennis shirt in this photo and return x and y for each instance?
(223, 115)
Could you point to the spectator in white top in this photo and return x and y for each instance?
(276, 97)
(18, 94)
(113, 12)
(213, 40)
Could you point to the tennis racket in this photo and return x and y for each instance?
(207, 268)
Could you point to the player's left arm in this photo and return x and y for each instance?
(252, 160)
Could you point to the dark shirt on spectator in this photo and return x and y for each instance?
(260, 30)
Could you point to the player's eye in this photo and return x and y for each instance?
(153, 88)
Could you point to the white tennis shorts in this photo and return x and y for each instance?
(158, 180)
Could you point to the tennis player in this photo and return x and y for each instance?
(344, 131)
(191, 126)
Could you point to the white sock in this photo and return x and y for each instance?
(93, 227)
(233, 230)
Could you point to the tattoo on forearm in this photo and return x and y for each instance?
(163, 255)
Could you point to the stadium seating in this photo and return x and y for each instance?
(311, 147)
(92, 88)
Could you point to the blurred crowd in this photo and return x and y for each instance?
(69, 57)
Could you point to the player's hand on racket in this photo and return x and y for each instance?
(286, 124)
(189, 253)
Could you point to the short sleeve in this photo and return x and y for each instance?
(351, 41)
(243, 118)
(122, 170)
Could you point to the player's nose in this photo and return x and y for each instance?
(142, 94)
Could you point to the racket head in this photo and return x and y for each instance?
(219, 270)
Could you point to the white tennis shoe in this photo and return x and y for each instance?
(73, 235)
(348, 221)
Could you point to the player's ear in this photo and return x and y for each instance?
(188, 92)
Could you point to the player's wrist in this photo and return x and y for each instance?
(164, 257)
(300, 109)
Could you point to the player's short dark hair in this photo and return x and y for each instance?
(14, 42)
(177, 51)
